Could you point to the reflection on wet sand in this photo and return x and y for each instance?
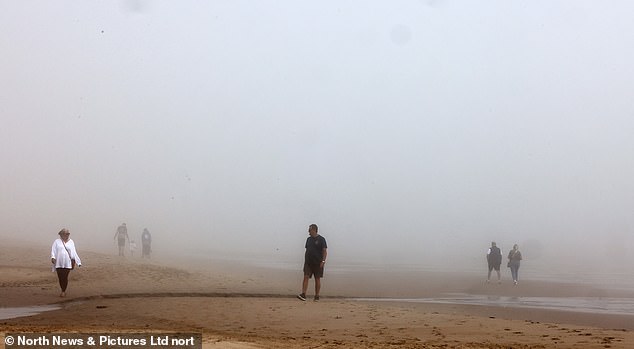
(11, 313)
(617, 306)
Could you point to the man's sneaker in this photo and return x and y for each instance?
(302, 296)
(316, 298)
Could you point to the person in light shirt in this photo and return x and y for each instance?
(64, 258)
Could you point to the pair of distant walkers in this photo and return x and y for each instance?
(494, 259)
(122, 236)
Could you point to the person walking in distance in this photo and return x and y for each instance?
(121, 236)
(146, 242)
(494, 259)
(64, 258)
(515, 256)
(314, 261)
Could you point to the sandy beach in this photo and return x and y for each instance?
(240, 306)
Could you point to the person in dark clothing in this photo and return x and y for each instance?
(121, 236)
(515, 256)
(146, 242)
(314, 261)
(494, 259)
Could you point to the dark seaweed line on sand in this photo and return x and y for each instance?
(182, 294)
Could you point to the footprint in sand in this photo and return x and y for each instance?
(436, 332)
(607, 340)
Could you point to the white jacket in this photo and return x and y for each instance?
(62, 257)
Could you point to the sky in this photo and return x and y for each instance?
(409, 131)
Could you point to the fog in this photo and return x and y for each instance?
(410, 132)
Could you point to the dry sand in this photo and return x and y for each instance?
(245, 307)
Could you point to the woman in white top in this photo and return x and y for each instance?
(63, 257)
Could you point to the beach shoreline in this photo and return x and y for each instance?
(243, 306)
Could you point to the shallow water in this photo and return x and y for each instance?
(613, 278)
(595, 305)
(615, 306)
(11, 313)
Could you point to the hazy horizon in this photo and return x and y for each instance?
(415, 132)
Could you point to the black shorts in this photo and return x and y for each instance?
(313, 269)
(496, 267)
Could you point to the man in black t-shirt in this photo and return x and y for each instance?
(314, 261)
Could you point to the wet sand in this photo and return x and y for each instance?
(237, 306)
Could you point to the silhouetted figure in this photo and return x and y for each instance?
(64, 258)
(515, 256)
(314, 261)
(146, 243)
(121, 236)
(494, 259)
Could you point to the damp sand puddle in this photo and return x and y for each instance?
(613, 306)
(12, 313)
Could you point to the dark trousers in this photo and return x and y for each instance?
(62, 275)
(515, 268)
